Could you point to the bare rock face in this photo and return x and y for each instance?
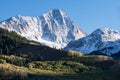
(54, 29)
(106, 41)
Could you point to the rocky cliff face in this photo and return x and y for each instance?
(105, 41)
(54, 29)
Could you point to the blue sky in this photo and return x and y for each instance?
(88, 14)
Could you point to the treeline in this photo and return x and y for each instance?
(13, 44)
(9, 40)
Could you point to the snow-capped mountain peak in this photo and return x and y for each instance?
(100, 39)
(57, 13)
(54, 29)
(107, 34)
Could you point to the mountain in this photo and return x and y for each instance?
(54, 29)
(106, 41)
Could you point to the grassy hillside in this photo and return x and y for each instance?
(58, 70)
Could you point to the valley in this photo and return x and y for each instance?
(53, 47)
(29, 60)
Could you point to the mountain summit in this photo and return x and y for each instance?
(54, 29)
(106, 41)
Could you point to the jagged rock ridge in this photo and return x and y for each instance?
(104, 40)
(54, 29)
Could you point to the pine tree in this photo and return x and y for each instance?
(7, 50)
(0, 51)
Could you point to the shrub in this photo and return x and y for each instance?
(72, 53)
(14, 60)
(2, 61)
(30, 65)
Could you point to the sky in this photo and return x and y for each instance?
(87, 14)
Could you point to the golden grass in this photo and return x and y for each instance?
(11, 67)
(45, 72)
(24, 70)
